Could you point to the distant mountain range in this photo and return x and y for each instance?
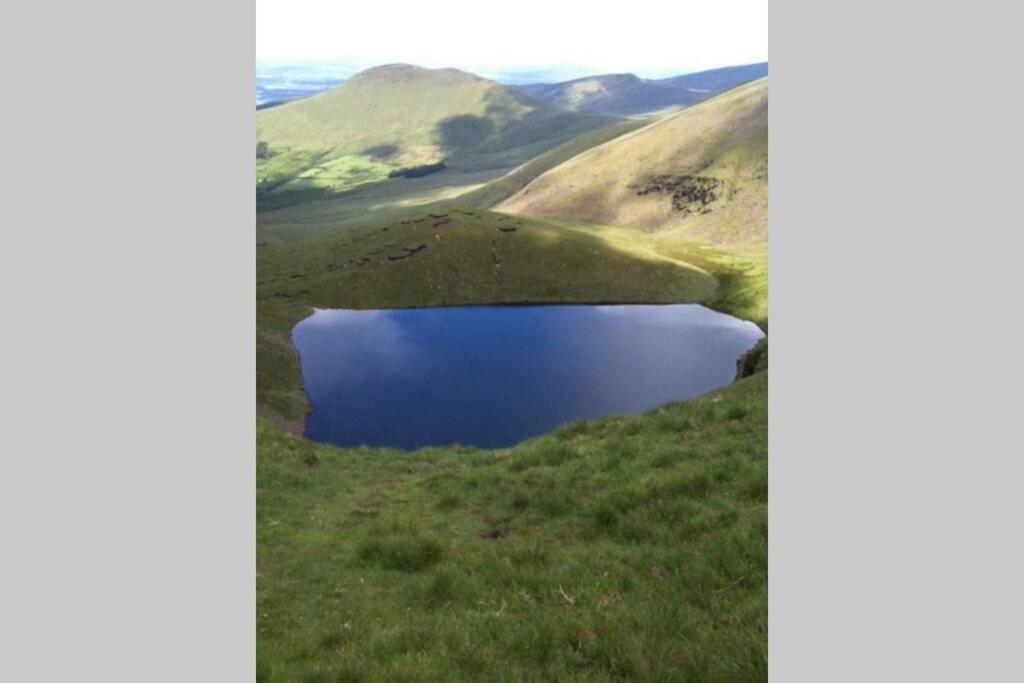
(625, 94)
(279, 82)
(274, 90)
(628, 94)
(702, 168)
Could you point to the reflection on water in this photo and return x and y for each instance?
(493, 376)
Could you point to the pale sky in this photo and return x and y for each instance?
(647, 37)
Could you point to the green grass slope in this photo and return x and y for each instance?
(502, 188)
(626, 548)
(401, 116)
(467, 188)
(701, 173)
(446, 257)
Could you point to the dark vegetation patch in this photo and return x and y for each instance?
(407, 252)
(492, 533)
(271, 199)
(754, 360)
(440, 219)
(270, 105)
(690, 194)
(408, 553)
(417, 171)
(381, 152)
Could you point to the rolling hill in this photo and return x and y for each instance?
(701, 173)
(405, 120)
(628, 94)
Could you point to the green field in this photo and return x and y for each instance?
(631, 547)
(624, 548)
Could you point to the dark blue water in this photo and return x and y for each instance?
(493, 376)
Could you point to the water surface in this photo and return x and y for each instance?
(494, 376)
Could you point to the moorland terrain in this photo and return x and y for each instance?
(625, 547)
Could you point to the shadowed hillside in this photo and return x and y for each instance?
(702, 173)
(629, 94)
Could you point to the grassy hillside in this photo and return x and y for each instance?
(475, 189)
(740, 271)
(399, 117)
(628, 94)
(505, 186)
(627, 548)
(702, 173)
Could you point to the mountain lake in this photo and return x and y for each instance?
(491, 376)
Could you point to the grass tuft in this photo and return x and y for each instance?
(404, 553)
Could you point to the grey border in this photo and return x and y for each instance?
(894, 512)
(128, 483)
(127, 491)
